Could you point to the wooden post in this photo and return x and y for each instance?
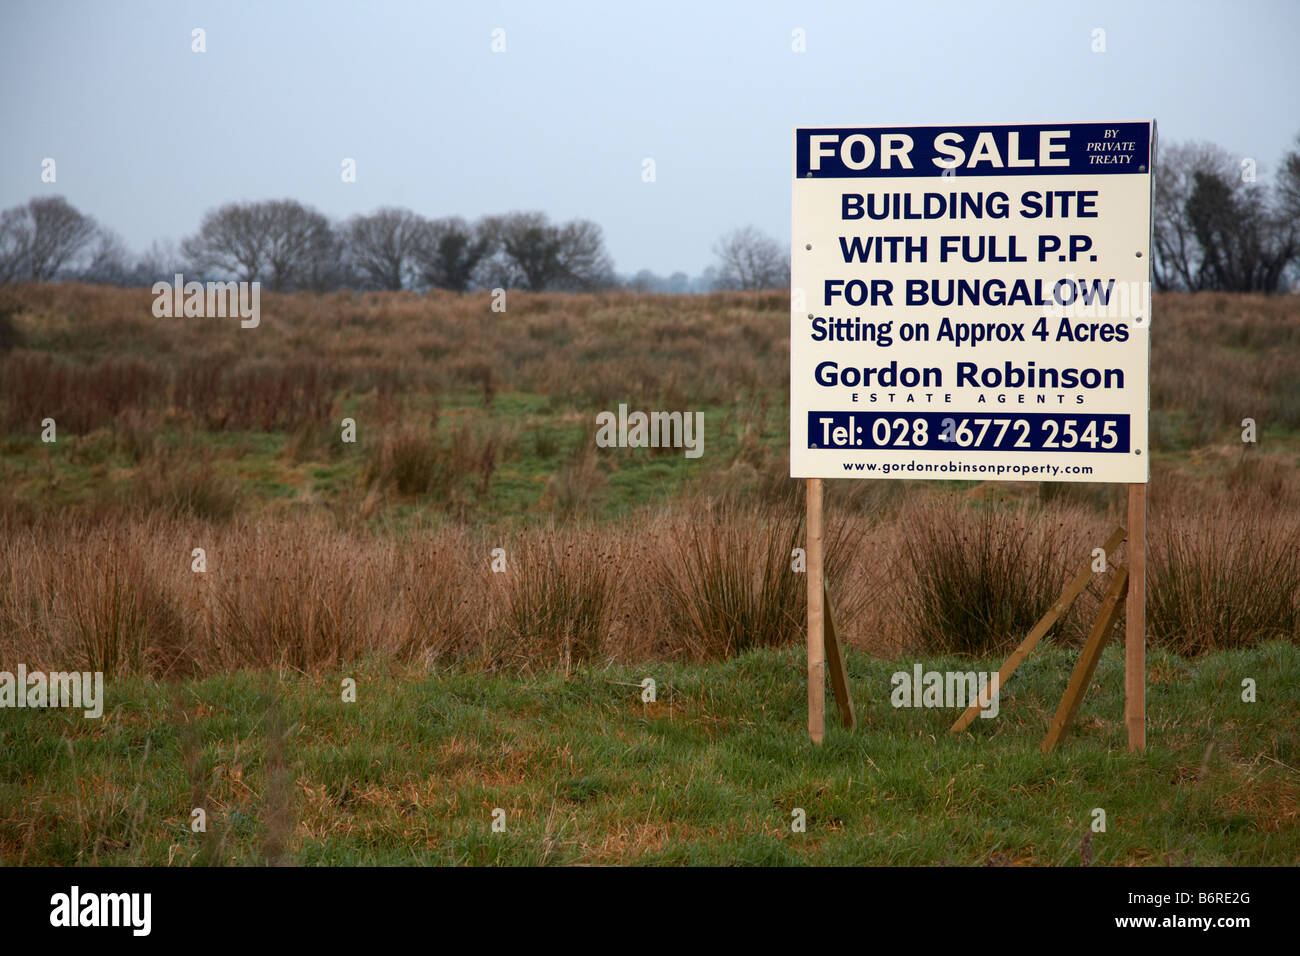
(816, 632)
(1135, 620)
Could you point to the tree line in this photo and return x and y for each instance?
(1215, 227)
(289, 246)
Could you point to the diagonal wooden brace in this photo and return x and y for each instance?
(835, 663)
(1072, 591)
(1088, 658)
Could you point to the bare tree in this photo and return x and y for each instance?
(382, 247)
(643, 281)
(1246, 242)
(1288, 186)
(326, 266)
(543, 255)
(1213, 229)
(15, 241)
(302, 247)
(59, 233)
(1177, 254)
(583, 257)
(451, 251)
(1288, 192)
(748, 259)
(280, 242)
(109, 261)
(38, 240)
(161, 261)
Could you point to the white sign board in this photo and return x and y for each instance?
(971, 302)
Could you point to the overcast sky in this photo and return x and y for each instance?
(147, 134)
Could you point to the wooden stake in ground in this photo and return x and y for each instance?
(835, 661)
(816, 632)
(1135, 638)
(1072, 591)
(1107, 615)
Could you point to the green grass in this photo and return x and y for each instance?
(77, 469)
(547, 438)
(709, 774)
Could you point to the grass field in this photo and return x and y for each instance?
(519, 690)
(709, 774)
(201, 417)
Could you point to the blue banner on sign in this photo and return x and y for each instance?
(969, 431)
(1069, 149)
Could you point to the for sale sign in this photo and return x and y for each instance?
(971, 302)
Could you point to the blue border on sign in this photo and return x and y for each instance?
(1079, 149)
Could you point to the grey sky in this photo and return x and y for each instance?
(147, 134)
